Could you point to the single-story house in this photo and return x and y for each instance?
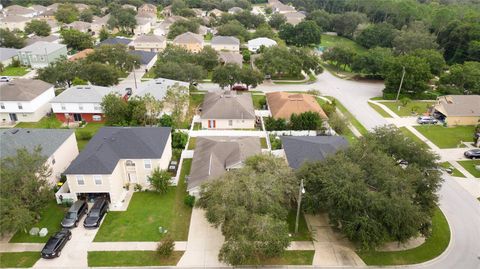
(279, 7)
(459, 109)
(25, 100)
(213, 156)
(235, 10)
(294, 18)
(13, 22)
(190, 41)
(51, 39)
(225, 43)
(116, 157)
(84, 27)
(283, 104)
(152, 43)
(158, 88)
(115, 40)
(228, 110)
(59, 146)
(7, 55)
(40, 54)
(16, 10)
(255, 44)
(229, 57)
(301, 149)
(80, 103)
(147, 58)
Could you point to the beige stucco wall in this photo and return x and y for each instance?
(191, 47)
(452, 121)
(234, 48)
(28, 117)
(236, 124)
(63, 156)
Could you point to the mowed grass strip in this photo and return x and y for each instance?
(433, 246)
(411, 109)
(455, 172)
(379, 110)
(147, 212)
(411, 135)
(289, 257)
(303, 233)
(131, 258)
(447, 137)
(470, 167)
(18, 259)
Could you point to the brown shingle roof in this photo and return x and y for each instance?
(188, 38)
(226, 105)
(81, 54)
(459, 105)
(284, 104)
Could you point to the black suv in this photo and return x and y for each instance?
(74, 214)
(472, 154)
(96, 214)
(55, 244)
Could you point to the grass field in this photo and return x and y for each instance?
(293, 257)
(263, 143)
(258, 101)
(433, 246)
(470, 167)
(147, 212)
(14, 71)
(192, 143)
(131, 258)
(329, 41)
(303, 232)
(18, 259)
(379, 110)
(447, 137)
(455, 171)
(417, 107)
(44, 123)
(51, 217)
(92, 128)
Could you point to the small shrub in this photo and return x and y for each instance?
(313, 92)
(275, 142)
(338, 123)
(179, 140)
(166, 246)
(405, 101)
(84, 135)
(329, 108)
(15, 63)
(160, 180)
(189, 200)
(165, 121)
(137, 187)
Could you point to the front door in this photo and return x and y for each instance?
(77, 117)
(13, 117)
(211, 124)
(132, 178)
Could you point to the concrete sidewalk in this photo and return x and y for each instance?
(20, 247)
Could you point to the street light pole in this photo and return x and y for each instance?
(300, 192)
(401, 83)
(134, 75)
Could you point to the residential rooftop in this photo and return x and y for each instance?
(227, 105)
(23, 89)
(42, 47)
(83, 94)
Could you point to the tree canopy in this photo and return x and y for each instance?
(10, 39)
(417, 75)
(461, 79)
(306, 33)
(76, 40)
(66, 13)
(38, 27)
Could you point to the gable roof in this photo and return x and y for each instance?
(230, 57)
(214, 155)
(115, 40)
(262, 41)
(225, 40)
(7, 53)
(110, 144)
(18, 10)
(80, 25)
(23, 89)
(81, 54)
(459, 105)
(227, 105)
(34, 39)
(294, 17)
(158, 87)
(39, 8)
(188, 38)
(42, 47)
(284, 104)
(83, 94)
(300, 149)
(49, 139)
(145, 56)
(149, 39)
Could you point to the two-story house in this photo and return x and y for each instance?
(25, 100)
(40, 54)
(152, 43)
(225, 43)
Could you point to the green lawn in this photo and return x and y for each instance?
(197, 126)
(131, 258)
(14, 71)
(470, 167)
(150, 73)
(148, 211)
(263, 143)
(44, 123)
(455, 171)
(258, 101)
(329, 41)
(447, 137)
(351, 118)
(50, 218)
(410, 135)
(194, 102)
(292, 257)
(192, 143)
(303, 232)
(18, 259)
(418, 107)
(379, 110)
(92, 128)
(433, 246)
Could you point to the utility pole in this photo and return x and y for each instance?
(300, 192)
(400, 87)
(134, 75)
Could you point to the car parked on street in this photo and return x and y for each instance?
(472, 154)
(96, 214)
(74, 214)
(426, 120)
(5, 79)
(239, 88)
(55, 244)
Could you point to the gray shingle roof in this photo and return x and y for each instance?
(149, 39)
(230, 57)
(7, 53)
(33, 39)
(49, 139)
(158, 87)
(23, 89)
(299, 149)
(111, 144)
(225, 40)
(42, 47)
(145, 56)
(459, 105)
(188, 38)
(214, 155)
(115, 40)
(83, 94)
(226, 105)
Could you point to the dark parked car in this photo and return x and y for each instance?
(96, 214)
(472, 154)
(74, 214)
(426, 120)
(55, 244)
(239, 88)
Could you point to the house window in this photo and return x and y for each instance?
(96, 118)
(147, 164)
(20, 106)
(63, 106)
(230, 122)
(80, 107)
(80, 180)
(97, 107)
(2, 105)
(97, 179)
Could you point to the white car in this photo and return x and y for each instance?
(5, 79)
